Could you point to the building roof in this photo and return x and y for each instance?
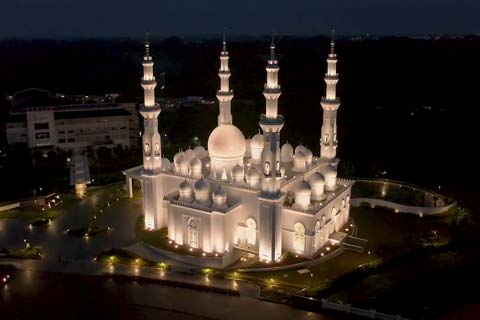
(117, 112)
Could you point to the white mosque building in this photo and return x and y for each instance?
(243, 195)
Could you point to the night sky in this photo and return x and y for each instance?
(122, 18)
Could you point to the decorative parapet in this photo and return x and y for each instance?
(173, 198)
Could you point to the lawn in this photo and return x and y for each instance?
(28, 252)
(121, 256)
(29, 213)
(37, 214)
(381, 227)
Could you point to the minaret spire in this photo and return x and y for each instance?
(147, 45)
(272, 49)
(224, 94)
(330, 104)
(224, 44)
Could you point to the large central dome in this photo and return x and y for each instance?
(226, 141)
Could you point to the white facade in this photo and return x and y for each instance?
(266, 201)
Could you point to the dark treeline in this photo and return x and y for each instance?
(408, 105)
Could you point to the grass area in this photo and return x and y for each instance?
(286, 259)
(382, 226)
(419, 262)
(159, 239)
(387, 234)
(121, 256)
(29, 213)
(28, 252)
(39, 215)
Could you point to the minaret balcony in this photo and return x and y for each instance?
(330, 104)
(331, 77)
(271, 124)
(224, 94)
(150, 112)
(147, 63)
(272, 90)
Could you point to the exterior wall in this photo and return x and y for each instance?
(41, 127)
(152, 203)
(17, 132)
(269, 232)
(290, 218)
(83, 132)
(332, 224)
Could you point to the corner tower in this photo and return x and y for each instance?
(152, 149)
(330, 104)
(270, 195)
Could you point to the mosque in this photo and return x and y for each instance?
(244, 195)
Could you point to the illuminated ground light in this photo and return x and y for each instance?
(271, 282)
(328, 248)
(176, 246)
(191, 249)
(322, 254)
(204, 254)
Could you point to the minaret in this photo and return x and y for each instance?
(270, 196)
(330, 104)
(152, 188)
(152, 149)
(224, 95)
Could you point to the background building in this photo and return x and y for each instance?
(44, 121)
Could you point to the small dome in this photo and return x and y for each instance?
(329, 171)
(202, 185)
(177, 156)
(253, 173)
(286, 154)
(308, 153)
(219, 193)
(226, 141)
(238, 171)
(300, 155)
(317, 179)
(257, 141)
(200, 152)
(190, 154)
(300, 148)
(196, 164)
(181, 161)
(166, 165)
(303, 189)
(185, 186)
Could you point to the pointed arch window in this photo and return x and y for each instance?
(299, 237)
(193, 233)
(147, 149)
(251, 231)
(317, 236)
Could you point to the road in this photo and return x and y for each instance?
(69, 289)
(59, 296)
